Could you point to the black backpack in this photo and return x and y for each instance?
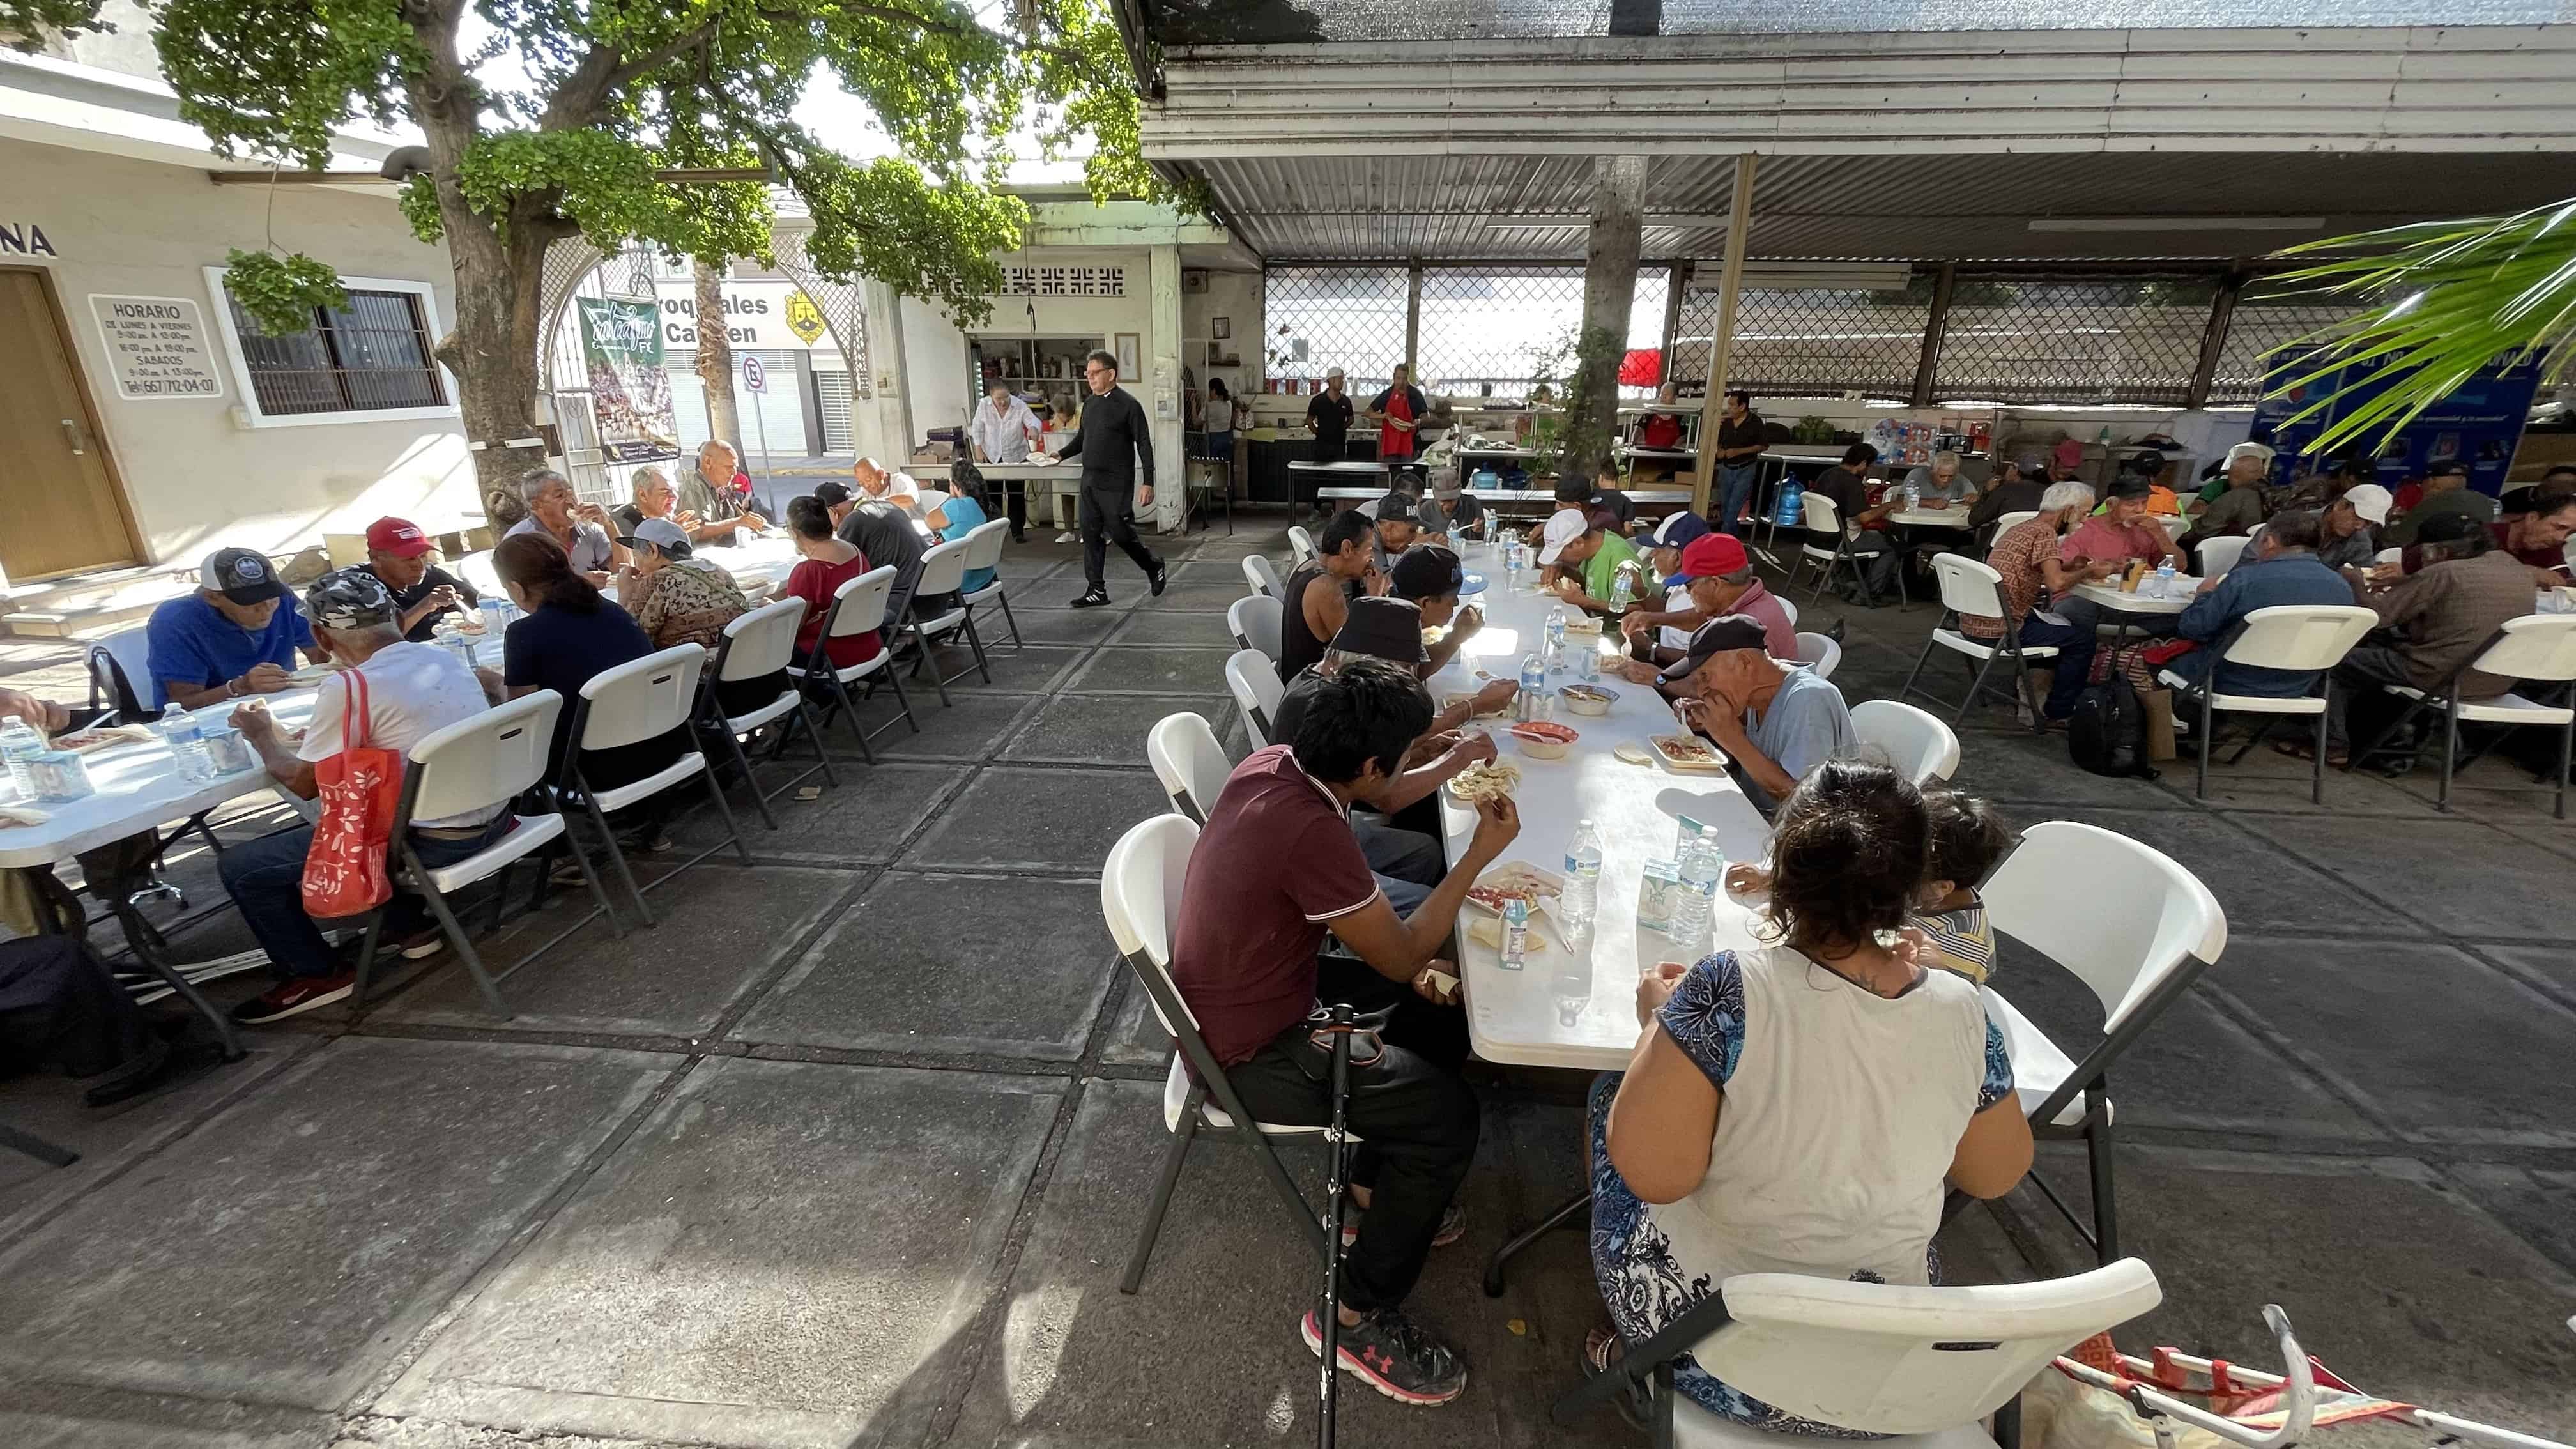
(2107, 732)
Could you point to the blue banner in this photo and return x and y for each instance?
(2479, 424)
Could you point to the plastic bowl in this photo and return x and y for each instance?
(1539, 746)
(1579, 700)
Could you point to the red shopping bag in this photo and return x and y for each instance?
(360, 789)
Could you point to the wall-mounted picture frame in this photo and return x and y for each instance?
(1220, 327)
(1130, 350)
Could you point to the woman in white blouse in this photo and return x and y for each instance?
(1800, 1108)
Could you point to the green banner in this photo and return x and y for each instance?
(630, 394)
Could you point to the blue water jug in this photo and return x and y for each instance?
(1793, 504)
(1485, 478)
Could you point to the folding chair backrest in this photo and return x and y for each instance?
(642, 699)
(1256, 621)
(859, 605)
(1788, 607)
(1189, 762)
(2300, 636)
(2122, 916)
(1917, 744)
(2007, 522)
(1968, 586)
(1822, 515)
(2534, 647)
(1253, 680)
(2218, 555)
(1301, 544)
(1259, 572)
(1140, 898)
(1819, 653)
(2388, 556)
(120, 673)
(762, 641)
(476, 569)
(485, 760)
(985, 542)
(1892, 1359)
(943, 568)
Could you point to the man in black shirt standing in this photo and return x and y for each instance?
(1328, 413)
(1115, 432)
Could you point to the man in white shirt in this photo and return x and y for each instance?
(1004, 431)
(879, 484)
(412, 691)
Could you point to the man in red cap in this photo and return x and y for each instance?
(398, 555)
(1721, 581)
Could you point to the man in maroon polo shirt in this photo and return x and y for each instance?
(1276, 869)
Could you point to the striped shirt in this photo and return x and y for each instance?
(1961, 940)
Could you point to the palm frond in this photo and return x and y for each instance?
(2440, 301)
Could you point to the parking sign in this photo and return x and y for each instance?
(753, 375)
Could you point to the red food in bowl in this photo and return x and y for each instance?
(1543, 730)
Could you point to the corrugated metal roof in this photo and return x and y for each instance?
(1910, 207)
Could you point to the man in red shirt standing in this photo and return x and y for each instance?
(1398, 412)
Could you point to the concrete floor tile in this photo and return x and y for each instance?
(993, 825)
(2549, 969)
(1031, 670)
(2538, 1204)
(1211, 570)
(1189, 597)
(1022, 973)
(1151, 671)
(2448, 873)
(1061, 626)
(2342, 1005)
(2034, 780)
(1104, 729)
(754, 1268)
(285, 1249)
(968, 729)
(863, 820)
(720, 931)
(1137, 1039)
(81, 1416)
(2261, 887)
(1147, 629)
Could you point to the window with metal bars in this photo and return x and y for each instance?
(369, 356)
(2039, 339)
(1807, 342)
(2259, 324)
(1320, 318)
(1501, 331)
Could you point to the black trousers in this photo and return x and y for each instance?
(1418, 1122)
(61, 1006)
(1108, 515)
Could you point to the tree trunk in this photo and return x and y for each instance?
(715, 356)
(1609, 288)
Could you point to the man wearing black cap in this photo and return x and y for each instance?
(1775, 721)
(2436, 619)
(1430, 578)
(229, 638)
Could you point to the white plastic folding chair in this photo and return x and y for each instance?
(483, 763)
(1264, 578)
(985, 542)
(1140, 897)
(757, 644)
(943, 568)
(1819, 653)
(1823, 517)
(2388, 556)
(2007, 522)
(1301, 545)
(1969, 587)
(1922, 1366)
(1915, 743)
(1255, 621)
(642, 699)
(1253, 680)
(120, 675)
(1788, 607)
(2310, 638)
(2539, 650)
(1189, 762)
(2218, 555)
(858, 607)
(476, 569)
(2130, 924)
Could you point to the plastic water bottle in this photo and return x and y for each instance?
(1556, 625)
(1515, 933)
(1913, 497)
(1582, 895)
(187, 741)
(1587, 663)
(1533, 684)
(1703, 866)
(2165, 579)
(20, 744)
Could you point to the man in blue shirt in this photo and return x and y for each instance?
(1775, 720)
(229, 638)
(2284, 570)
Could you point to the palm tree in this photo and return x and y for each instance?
(2442, 300)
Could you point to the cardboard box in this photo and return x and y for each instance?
(2158, 704)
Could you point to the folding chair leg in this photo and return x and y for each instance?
(1919, 661)
(2450, 752)
(465, 947)
(1152, 1228)
(617, 857)
(759, 800)
(2106, 1218)
(975, 641)
(367, 960)
(2200, 790)
(724, 808)
(2566, 754)
(1005, 596)
(904, 698)
(2317, 789)
(850, 712)
(921, 636)
(814, 732)
(1976, 686)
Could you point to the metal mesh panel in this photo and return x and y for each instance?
(1807, 342)
(1498, 331)
(843, 305)
(2259, 324)
(2073, 339)
(1319, 318)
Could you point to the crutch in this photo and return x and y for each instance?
(1336, 1190)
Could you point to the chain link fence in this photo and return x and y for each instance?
(1803, 342)
(2259, 324)
(2023, 339)
(1320, 318)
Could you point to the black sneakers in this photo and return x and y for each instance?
(1096, 599)
(1395, 1356)
(1158, 576)
(295, 996)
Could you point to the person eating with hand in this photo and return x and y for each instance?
(1589, 563)
(1431, 579)
(2121, 532)
(1275, 872)
(1670, 626)
(228, 639)
(1715, 577)
(656, 498)
(1319, 590)
(398, 557)
(581, 530)
(1776, 719)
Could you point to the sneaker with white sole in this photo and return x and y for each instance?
(1453, 1226)
(295, 996)
(1395, 1356)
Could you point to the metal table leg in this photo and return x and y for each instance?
(65, 917)
(1578, 1208)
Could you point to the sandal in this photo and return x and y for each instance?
(1599, 1347)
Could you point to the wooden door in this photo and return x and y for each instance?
(57, 492)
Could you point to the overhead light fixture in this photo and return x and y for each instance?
(2177, 223)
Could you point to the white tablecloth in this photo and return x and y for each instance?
(138, 788)
(1952, 517)
(1561, 1009)
(2185, 588)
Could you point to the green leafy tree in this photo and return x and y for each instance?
(620, 92)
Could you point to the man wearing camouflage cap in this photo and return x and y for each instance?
(413, 691)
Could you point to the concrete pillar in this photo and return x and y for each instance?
(1609, 286)
(1160, 388)
(878, 427)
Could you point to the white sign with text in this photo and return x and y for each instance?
(156, 348)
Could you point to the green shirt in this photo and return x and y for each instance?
(1601, 571)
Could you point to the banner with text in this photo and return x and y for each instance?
(621, 341)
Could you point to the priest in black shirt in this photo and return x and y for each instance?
(1113, 439)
